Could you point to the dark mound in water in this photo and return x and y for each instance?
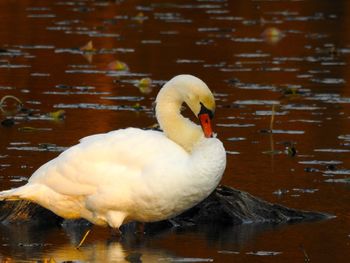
(225, 205)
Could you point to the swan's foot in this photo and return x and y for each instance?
(83, 239)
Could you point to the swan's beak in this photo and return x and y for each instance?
(206, 124)
(204, 117)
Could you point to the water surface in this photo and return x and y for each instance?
(279, 70)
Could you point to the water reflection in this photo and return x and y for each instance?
(23, 242)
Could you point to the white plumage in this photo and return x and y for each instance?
(133, 174)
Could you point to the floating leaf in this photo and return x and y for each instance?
(145, 82)
(7, 122)
(145, 85)
(290, 149)
(137, 106)
(118, 65)
(88, 57)
(88, 47)
(140, 17)
(272, 35)
(57, 115)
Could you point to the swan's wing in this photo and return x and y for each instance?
(115, 160)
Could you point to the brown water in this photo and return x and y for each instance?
(287, 57)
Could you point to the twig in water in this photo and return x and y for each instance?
(306, 256)
(83, 239)
(6, 97)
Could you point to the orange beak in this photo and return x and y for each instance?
(204, 119)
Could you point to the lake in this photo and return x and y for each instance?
(280, 73)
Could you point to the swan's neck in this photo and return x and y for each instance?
(176, 127)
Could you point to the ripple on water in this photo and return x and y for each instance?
(329, 81)
(345, 180)
(301, 107)
(254, 86)
(319, 162)
(75, 93)
(329, 98)
(99, 51)
(228, 252)
(189, 61)
(264, 253)
(6, 88)
(96, 106)
(345, 137)
(337, 172)
(39, 148)
(256, 102)
(124, 98)
(287, 132)
(252, 55)
(233, 152)
(236, 139)
(85, 71)
(235, 125)
(8, 65)
(332, 150)
(35, 46)
(269, 113)
(179, 259)
(247, 40)
(18, 178)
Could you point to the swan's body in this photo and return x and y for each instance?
(133, 174)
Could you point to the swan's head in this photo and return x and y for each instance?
(196, 94)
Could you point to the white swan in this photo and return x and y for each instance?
(133, 174)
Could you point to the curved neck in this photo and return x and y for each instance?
(176, 127)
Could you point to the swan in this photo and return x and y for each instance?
(133, 174)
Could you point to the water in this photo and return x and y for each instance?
(286, 59)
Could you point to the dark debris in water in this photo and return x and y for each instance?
(8, 122)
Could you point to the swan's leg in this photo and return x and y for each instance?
(115, 232)
(140, 228)
(83, 239)
(115, 219)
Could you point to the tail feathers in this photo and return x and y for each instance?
(9, 195)
(16, 194)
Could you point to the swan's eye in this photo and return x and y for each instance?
(205, 110)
